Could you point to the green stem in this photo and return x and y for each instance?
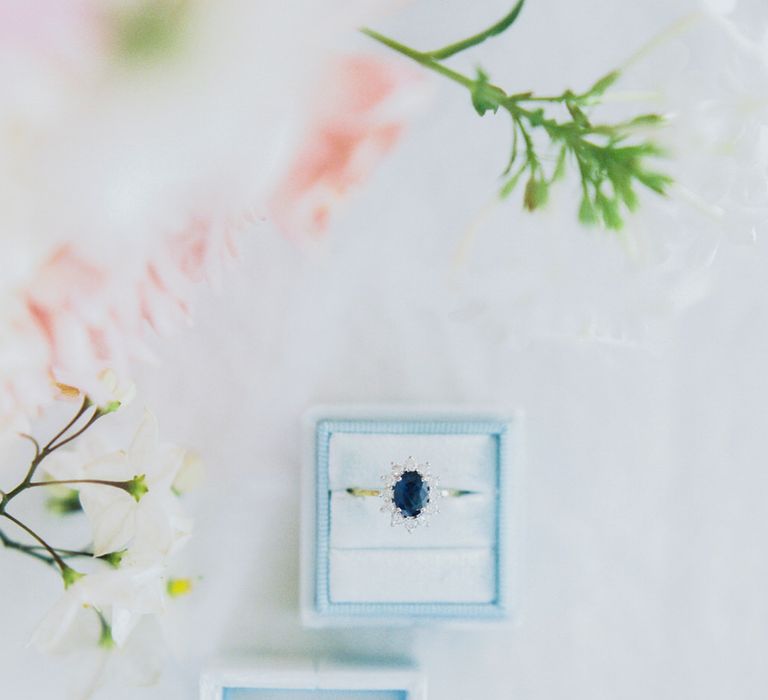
(605, 165)
(502, 25)
(510, 102)
(428, 60)
(530, 153)
(421, 58)
(513, 153)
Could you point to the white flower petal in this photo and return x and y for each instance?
(142, 658)
(123, 622)
(154, 534)
(53, 628)
(113, 388)
(161, 529)
(63, 466)
(112, 467)
(191, 472)
(167, 462)
(69, 462)
(143, 449)
(112, 514)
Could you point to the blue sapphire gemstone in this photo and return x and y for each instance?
(411, 494)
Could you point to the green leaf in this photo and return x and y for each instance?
(513, 154)
(603, 84)
(485, 97)
(494, 30)
(610, 211)
(587, 213)
(578, 116)
(611, 159)
(645, 120)
(658, 182)
(536, 117)
(559, 171)
(627, 195)
(510, 184)
(641, 150)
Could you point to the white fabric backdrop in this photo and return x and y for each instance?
(646, 573)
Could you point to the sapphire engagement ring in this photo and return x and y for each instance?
(411, 493)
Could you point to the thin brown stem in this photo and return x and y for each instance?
(84, 406)
(90, 422)
(31, 550)
(59, 561)
(124, 485)
(27, 436)
(63, 552)
(41, 454)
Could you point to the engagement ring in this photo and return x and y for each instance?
(411, 493)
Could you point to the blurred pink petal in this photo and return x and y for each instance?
(50, 29)
(362, 115)
(143, 165)
(77, 317)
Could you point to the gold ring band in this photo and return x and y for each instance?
(444, 493)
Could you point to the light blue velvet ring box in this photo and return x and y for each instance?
(289, 679)
(359, 570)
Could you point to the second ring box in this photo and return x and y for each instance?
(410, 515)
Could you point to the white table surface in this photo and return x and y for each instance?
(646, 569)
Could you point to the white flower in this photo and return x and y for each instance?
(150, 521)
(146, 528)
(122, 595)
(69, 463)
(153, 522)
(139, 662)
(116, 392)
(190, 474)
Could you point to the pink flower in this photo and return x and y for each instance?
(76, 316)
(24, 375)
(144, 155)
(361, 118)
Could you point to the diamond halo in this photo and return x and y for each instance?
(399, 486)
